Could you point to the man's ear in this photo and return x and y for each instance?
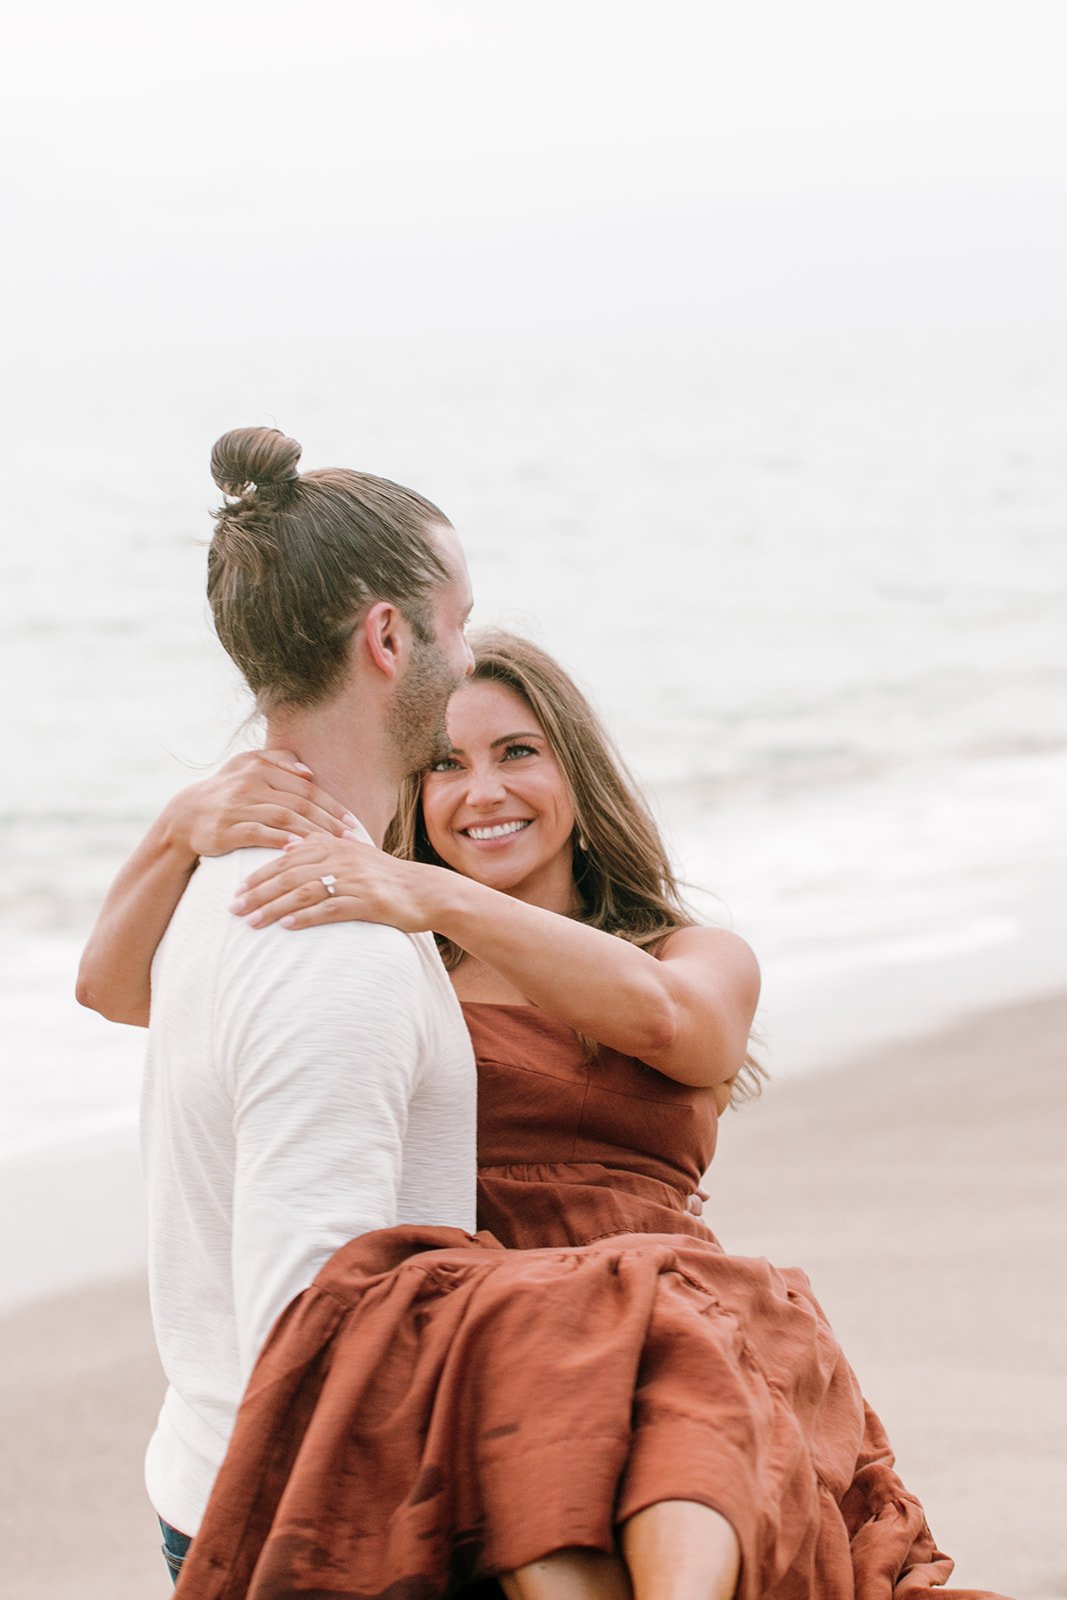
(384, 635)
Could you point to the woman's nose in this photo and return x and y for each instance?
(485, 786)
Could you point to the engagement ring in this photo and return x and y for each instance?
(329, 880)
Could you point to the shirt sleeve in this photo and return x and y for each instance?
(320, 1035)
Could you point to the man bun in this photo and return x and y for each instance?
(253, 457)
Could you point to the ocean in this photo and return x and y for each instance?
(816, 586)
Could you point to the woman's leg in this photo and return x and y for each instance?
(674, 1550)
(569, 1575)
(680, 1550)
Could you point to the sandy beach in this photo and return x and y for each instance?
(923, 1189)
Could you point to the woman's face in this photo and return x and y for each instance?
(498, 808)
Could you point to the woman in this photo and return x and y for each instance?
(699, 1403)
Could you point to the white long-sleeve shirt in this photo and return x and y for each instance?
(301, 1088)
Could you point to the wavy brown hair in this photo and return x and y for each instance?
(622, 872)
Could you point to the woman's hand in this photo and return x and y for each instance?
(266, 797)
(262, 798)
(365, 885)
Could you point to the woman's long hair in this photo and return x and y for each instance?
(623, 875)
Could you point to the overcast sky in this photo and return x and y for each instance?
(217, 164)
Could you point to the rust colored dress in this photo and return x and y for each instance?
(439, 1407)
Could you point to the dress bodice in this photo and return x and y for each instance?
(572, 1148)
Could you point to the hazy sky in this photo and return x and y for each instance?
(449, 162)
(229, 164)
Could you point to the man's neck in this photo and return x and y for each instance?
(347, 753)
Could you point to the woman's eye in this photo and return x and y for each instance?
(446, 764)
(515, 752)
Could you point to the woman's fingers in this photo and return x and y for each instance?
(294, 884)
(306, 862)
(253, 895)
(246, 823)
(320, 808)
(299, 897)
(212, 817)
(259, 776)
(313, 856)
(333, 880)
(297, 800)
(285, 759)
(304, 907)
(256, 836)
(300, 815)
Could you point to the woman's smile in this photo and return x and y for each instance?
(495, 833)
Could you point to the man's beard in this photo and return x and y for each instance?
(417, 721)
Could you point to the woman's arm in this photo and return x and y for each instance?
(114, 973)
(260, 798)
(686, 1011)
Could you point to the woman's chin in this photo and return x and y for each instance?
(492, 871)
(497, 861)
(504, 865)
(502, 870)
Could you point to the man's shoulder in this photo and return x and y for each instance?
(353, 957)
(356, 951)
(213, 886)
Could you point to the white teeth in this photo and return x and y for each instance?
(499, 831)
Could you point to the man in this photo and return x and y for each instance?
(299, 1092)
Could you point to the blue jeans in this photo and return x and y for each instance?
(175, 1548)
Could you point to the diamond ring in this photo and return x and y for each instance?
(329, 880)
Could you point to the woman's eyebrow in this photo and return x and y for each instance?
(508, 737)
(504, 739)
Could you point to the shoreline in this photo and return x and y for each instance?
(919, 1184)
